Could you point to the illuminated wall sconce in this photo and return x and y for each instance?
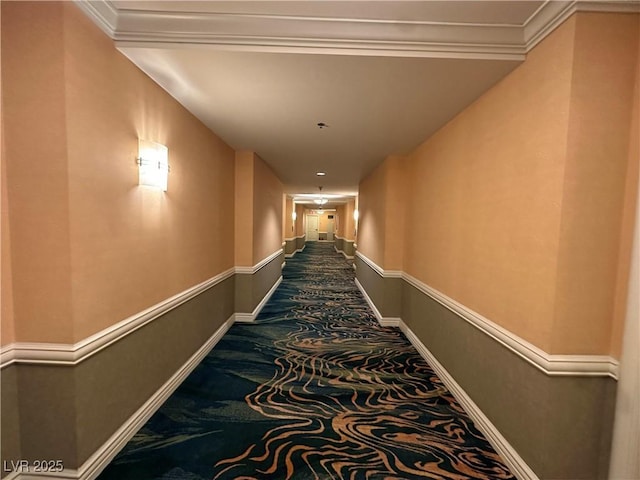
(356, 215)
(294, 216)
(153, 162)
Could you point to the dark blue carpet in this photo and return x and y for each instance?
(315, 389)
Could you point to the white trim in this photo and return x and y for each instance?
(294, 33)
(379, 270)
(73, 354)
(338, 35)
(344, 238)
(290, 255)
(552, 14)
(90, 469)
(545, 20)
(250, 317)
(510, 456)
(42, 353)
(348, 257)
(383, 321)
(550, 364)
(260, 264)
(102, 12)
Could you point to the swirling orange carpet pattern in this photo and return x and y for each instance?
(315, 389)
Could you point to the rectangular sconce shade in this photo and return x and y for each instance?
(153, 160)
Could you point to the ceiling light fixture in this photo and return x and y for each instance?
(320, 201)
(321, 174)
(322, 125)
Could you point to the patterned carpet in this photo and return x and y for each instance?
(315, 389)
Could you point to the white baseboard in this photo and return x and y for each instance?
(250, 317)
(390, 321)
(383, 321)
(348, 257)
(511, 458)
(101, 458)
(290, 255)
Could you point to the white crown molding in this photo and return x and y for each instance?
(103, 14)
(609, 6)
(262, 32)
(514, 461)
(546, 19)
(269, 32)
(260, 264)
(72, 354)
(553, 13)
(550, 364)
(308, 34)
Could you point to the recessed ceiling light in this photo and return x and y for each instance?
(321, 174)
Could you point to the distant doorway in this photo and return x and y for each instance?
(330, 228)
(312, 228)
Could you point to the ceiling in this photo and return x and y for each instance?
(382, 75)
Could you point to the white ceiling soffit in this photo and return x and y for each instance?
(463, 29)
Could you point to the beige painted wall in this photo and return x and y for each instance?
(89, 247)
(395, 199)
(287, 220)
(517, 207)
(243, 230)
(371, 223)
(33, 107)
(345, 220)
(629, 216)
(300, 227)
(259, 210)
(7, 331)
(521, 211)
(382, 208)
(485, 195)
(604, 64)
(267, 211)
(340, 216)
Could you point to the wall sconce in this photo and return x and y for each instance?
(356, 215)
(294, 216)
(153, 162)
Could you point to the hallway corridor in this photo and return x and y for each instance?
(315, 388)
